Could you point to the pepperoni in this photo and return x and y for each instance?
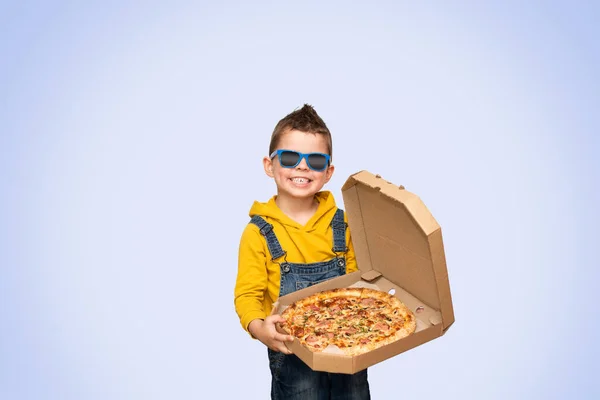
(324, 324)
(312, 339)
(367, 302)
(330, 335)
(314, 307)
(300, 331)
(349, 331)
(364, 341)
(381, 326)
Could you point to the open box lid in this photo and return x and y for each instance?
(395, 235)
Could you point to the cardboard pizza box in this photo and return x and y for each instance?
(399, 249)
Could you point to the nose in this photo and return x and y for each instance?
(302, 164)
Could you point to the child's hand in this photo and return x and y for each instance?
(265, 332)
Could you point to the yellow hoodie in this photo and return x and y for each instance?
(257, 284)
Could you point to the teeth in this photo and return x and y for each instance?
(299, 180)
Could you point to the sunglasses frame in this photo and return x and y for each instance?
(302, 155)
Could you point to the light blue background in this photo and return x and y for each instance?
(130, 154)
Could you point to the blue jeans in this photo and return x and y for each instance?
(294, 380)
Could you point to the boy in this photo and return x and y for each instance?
(296, 239)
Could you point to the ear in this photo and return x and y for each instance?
(268, 166)
(329, 173)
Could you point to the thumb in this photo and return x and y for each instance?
(277, 318)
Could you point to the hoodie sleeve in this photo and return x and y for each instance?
(251, 282)
(351, 265)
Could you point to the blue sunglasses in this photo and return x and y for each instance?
(291, 158)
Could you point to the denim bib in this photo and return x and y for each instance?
(296, 276)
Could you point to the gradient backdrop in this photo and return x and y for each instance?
(131, 138)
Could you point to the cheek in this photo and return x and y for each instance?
(281, 173)
(321, 176)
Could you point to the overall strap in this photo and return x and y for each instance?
(339, 232)
(266, 230)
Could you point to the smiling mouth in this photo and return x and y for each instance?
(300, 180)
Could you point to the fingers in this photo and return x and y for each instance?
(283, 338)
(275, 318)
(278, 343)
(281, 348)
(272, 321)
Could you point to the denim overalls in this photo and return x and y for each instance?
(292, 379)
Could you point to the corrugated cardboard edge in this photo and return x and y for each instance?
(422, 217)
(441, 276)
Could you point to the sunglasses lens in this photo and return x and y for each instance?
(289, 158)
(317, 161)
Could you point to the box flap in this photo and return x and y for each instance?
(371, 275)
(394, 234)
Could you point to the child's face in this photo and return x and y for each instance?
(299, 181)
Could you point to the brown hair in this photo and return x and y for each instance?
(304, 119)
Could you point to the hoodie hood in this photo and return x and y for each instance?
(270, 211)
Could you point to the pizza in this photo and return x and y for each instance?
(355, 320)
